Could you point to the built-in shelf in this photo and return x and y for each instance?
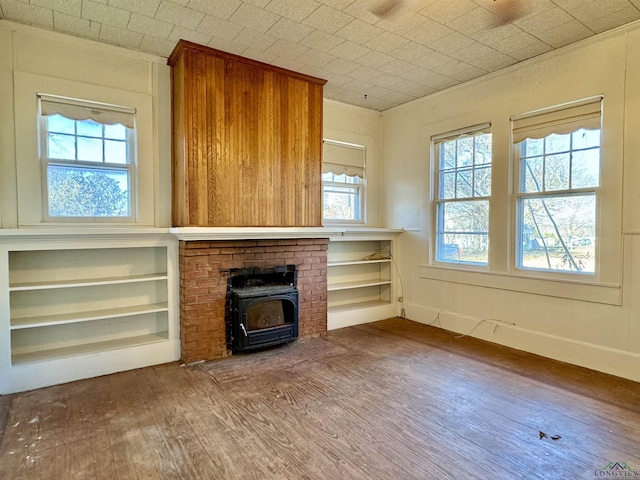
(86, 316)
(357, 262)
(78, 301)
(334, 287)
(88, 282)
(18, 358)
(358, 306)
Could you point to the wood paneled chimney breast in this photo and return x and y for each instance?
(247, 142)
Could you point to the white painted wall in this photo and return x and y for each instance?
(75, 66)
(497, 308)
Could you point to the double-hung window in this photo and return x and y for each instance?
(463, 190)
(87, 153)
(558, 179)
(343, 175)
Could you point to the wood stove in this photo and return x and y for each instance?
(264, 307)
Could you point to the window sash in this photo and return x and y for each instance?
(356, 188)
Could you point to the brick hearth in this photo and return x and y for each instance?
(204, 268)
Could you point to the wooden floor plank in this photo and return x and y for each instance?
(387, 400)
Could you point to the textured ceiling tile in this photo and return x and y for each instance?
(386, 80)
(411, 51)
(159, 46)
(220, 8)
(227, 46)
(402, 21)
(315, 58)
(218, 27)
(386, 42)
(144, 7)
(397, 67)
(522, 46)
(492, 61)
(428, 32)
(358, 31)
(258, 3)
(254, 18)
(596, 9)
(364, 10)
(76, 26)
(349, 50)
(626, 15)
(149, 26)
(445, 12)
(259, 55)
(285, 49)
(337, 4)
(179, 32)
(432, 60)
(565, 34)
(322, 41)
(335, 80)
(375, 59)
(251, 38)
(461, 70)
(438, 81)
(341, 66)
(451, 43)
(120, 36)
(296, 10)
(29, 14)
(327, 19)
(471, 52)
(116, 17)
(288, 64)
(70, 7)
(289, 30)
(544, 21)
(185, 17)
(494, 36)
(364, 73)
(473, 21)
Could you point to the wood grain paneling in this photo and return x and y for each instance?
(247, 142)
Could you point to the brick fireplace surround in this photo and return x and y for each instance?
(204, 269)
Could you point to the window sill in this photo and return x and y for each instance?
(610, 294)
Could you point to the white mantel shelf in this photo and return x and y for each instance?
(272, 233)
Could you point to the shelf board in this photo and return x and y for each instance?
(85, 282)
(88, 316)
(334, 287)
(358, 262)
(38, 356)
(358, 306)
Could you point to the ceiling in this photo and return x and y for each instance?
(377, 62)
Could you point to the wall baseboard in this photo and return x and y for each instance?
(588, 355)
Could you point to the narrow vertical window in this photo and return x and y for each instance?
(463, 191)
(88, 158)
(558, 167)
(343, 174)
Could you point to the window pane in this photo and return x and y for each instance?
(533, 147)
(557, 143)
(585, 169)
(556, 172)
(341, 203)
(464, 186)
(115, 151)
(59, 124)
(448, 152)
(116, 132)
(483, 149)
(89, 149)
(464, 234)
(533, 171)
(482, 182)
(448, 185)
(558, 233)
(87, 192)
(61, 147)
(586, 139)
(465, 151)
(89, 128)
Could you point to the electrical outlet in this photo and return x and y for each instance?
(400, 299)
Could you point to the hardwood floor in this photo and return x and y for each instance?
(388, 400)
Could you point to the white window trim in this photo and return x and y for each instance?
(606, 288)
(29, 171)
(436, 140)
